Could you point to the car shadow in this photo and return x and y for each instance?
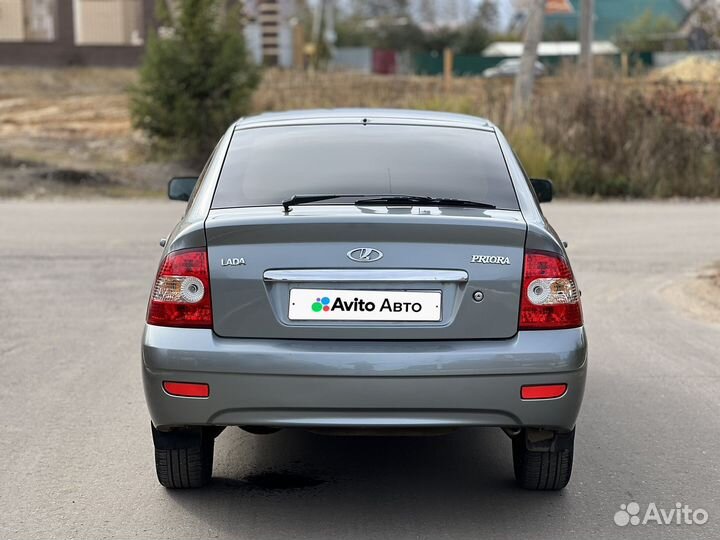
(299, 484)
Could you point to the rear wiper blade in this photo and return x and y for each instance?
(307, 199)
(422, 200)
(419, 200)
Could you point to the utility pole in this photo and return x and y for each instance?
(526, 76)
(316, 33)
(587, 11)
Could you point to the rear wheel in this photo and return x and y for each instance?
(184, 457)
(543, 459)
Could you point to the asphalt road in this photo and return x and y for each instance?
(76, 454)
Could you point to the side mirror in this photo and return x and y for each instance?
(543, 189)
(180, 189)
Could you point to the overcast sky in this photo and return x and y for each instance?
(505, 12)
(505, 7)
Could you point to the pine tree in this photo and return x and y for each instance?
(195, 81)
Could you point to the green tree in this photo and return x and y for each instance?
(559, 32)
(649, 32)
(382, 33)
(195, 81)
(352, 33)
(441, 38)
(476, 35)
(488, 15)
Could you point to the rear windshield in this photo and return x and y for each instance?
(265, 166)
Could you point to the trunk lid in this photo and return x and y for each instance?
(272, 274)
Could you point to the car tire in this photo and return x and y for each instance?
(547, 469)
(183, 457)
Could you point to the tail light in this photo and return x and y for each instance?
(181, 293)
(549, 296)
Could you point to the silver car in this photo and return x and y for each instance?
(364, 271)
(510, 67)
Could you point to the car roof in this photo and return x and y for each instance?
(364, 115)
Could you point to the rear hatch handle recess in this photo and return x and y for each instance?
(387, 275)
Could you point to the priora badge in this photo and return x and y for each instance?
(489, 259)
(365, 254)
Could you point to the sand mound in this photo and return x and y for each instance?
(693, 68)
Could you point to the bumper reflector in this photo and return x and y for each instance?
(543, 391)
(183, 389)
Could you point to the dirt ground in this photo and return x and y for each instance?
(697, 294)
(68, 132)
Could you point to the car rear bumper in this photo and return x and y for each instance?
(363, 384)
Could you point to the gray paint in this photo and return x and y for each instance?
(196, 349)
(364, 383)
(410, 238)
(466, 370)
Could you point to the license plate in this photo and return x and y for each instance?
(363, 305)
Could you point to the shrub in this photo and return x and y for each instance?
(618, 138)
(633, 143)
(194, 82)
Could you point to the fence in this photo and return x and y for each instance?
(74, 32)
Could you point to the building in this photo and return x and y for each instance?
(270, 31)
(27, 20)
(563, 16)
(74, 32)
(114, 32)
(554, 49)
(701, 25)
